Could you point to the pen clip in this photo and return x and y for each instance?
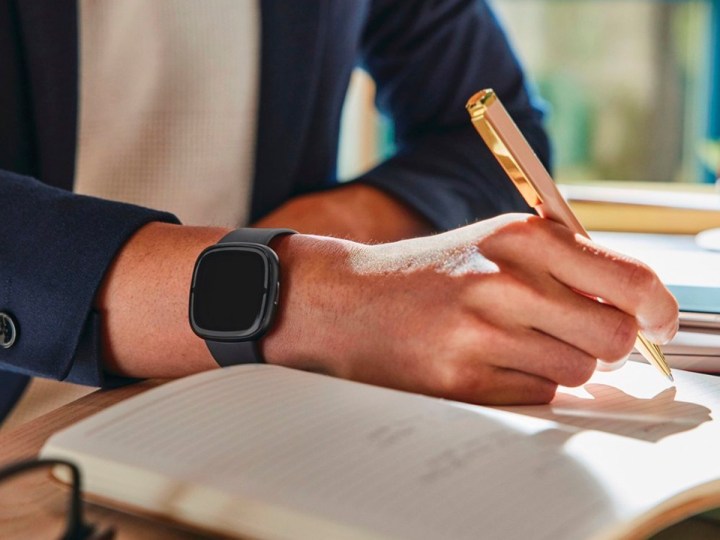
(477, 106)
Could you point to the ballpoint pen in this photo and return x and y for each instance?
(530, 177)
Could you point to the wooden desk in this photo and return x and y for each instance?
(32, 506)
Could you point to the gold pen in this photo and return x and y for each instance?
(530, 177)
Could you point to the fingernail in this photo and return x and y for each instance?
(603, 365)
(663, 336)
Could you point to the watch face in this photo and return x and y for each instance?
(231, 287)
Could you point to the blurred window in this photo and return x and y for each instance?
(630, 84)
(632, 89)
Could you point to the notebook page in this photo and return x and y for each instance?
(643, 437)
(391, 463)
(384, 462)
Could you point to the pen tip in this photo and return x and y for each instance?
(669, 376)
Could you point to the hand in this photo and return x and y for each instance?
(501, 311)
(356, 212)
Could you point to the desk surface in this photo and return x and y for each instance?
(32, 506)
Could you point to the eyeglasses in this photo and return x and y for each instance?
(76, 528)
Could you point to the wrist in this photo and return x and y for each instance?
(235, 292)
(314, 293)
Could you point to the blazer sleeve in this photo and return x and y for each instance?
(427, 58)
(55, 248)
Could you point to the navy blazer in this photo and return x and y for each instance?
(427, 57)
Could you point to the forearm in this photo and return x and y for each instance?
(355, 212)
(144, 303)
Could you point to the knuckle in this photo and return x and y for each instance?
(444, 380)
(640, 279)
(457, 379)
(539, 230)
(579, 367)
(523, 235)
(548, 230)
(516, 229)
(623, 339)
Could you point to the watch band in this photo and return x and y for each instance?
(243, 352)
(254, 236)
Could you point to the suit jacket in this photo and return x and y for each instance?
(427, 57)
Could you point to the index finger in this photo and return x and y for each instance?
(622, 281)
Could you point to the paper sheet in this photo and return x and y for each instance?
(390, 464)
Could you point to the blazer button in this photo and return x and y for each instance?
(8, 331)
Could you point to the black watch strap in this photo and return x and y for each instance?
(243, 352)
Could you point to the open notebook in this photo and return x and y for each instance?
(270, 452)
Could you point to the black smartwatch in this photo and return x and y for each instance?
(234, 294)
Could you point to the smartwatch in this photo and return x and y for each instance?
(234, 294)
